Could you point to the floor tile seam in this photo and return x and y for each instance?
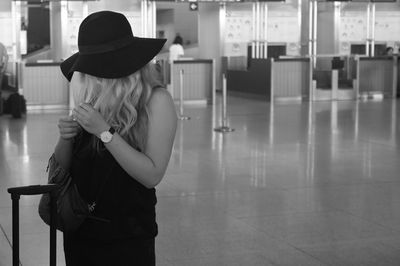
(308, 254)
(317, 230)
(198, 255)
(328, 210)
(348, 242)
(325, 244)
(383, 182)
(287, 242)
(390, 147)
(371, 221)
(265, 233)
(36, 234)
(341, 185)
(205, 254)
(221, 192)
(33, 204)
(5, 235)
(269, 260)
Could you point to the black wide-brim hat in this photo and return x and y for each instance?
(108, 48)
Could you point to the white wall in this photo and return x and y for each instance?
(209, 35)
(114, 5)
(55, 30)
(5, 24)
(184, 21)
(387, 24)
(325, 28)
(305, 30)
(165, 22)
(5, 6)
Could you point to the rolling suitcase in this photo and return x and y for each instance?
(16, 192)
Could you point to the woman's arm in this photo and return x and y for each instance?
(63, 152)
(147, 167)
(68, 130)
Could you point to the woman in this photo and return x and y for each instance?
(117, 142)
(176, 49)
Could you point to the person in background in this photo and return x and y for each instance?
(389, 51)
(3, 63)
(116, 143)
(176, 49)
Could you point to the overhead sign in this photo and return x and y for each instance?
(46, 1)
(193, 6)
(209, 1)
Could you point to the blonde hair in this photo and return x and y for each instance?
(122, 102)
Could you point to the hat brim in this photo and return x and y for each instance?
(115, 64)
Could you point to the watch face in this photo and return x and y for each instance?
(106, 136)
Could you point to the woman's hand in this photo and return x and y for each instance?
(68, 127)
(90, 119)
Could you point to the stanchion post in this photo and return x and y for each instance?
(181, 73)
(53, 228)
(224, 122)
(224, 128)
(15, 229)
(181, 116)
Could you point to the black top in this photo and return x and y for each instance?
(128, 205)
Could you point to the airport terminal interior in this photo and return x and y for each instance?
(305, 92)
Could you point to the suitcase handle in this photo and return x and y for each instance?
(16, 192)
(32, 190)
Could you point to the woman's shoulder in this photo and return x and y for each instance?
(162, 111)
(160, 96)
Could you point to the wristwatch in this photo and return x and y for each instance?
(107, 136)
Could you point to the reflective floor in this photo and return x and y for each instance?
(294, 184)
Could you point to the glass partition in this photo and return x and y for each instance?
(387, 28)
(284, 25)
(238, 29)
(262, 29)
(354, 28)
(74, 12)
(368, 28)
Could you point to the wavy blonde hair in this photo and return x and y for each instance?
(122, 102)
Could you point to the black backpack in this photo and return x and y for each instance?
(15, 105)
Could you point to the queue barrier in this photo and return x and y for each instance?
(224, 128)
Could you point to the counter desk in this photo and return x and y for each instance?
(44, 85)
(291, 78)
(272, 79)
(197, 77)
(252, 78)
(377, 75)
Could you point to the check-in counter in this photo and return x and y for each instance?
(255, 78)
(285, 78)
(198, 80)
(377, 75)
(291, 78)
(334, 78)
(44, 85)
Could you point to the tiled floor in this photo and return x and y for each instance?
(294, 184)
